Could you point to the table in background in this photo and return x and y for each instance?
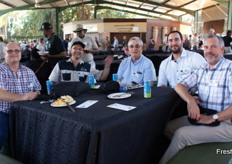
(41, 134)
(228, 56)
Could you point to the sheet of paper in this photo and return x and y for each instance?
(121, 107)
(87, 104)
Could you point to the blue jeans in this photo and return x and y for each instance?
(4, 128)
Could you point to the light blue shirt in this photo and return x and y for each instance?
(115, 44)
(140, 71)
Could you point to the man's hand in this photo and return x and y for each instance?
(46, 55)
(205, 119)
(31, 95)
(193, 110)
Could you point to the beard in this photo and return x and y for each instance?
(176, 51)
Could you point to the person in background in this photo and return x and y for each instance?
(41, 46)
(125, 53)
(65, 44)
(124, 43)
(165, 43)
(212, 111)
(151, 45)
(75, 69)
(200, 43)
(2, 46)
(26, 54)
(53, 45)
(227, 40)
(17, 83)
(106, 44)
(136, 68)
(179, 64)
(90, 45)
(115, 44)
(40, 67)
(97, 42)
(195, 42)
(186, 43)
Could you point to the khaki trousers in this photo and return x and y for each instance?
(186, 134)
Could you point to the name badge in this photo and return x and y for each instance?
(213, 83)
(81, 74)
(137, 74)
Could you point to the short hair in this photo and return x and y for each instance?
(181, 36)
(1, 39)
(41, 39)
(228, 32)
(221, 42)
(136, 38)
(4, 50)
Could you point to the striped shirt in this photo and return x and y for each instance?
(24, 82)
(214, 86)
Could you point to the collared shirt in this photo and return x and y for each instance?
(65, 71)
(214, 86)
(115, 44)
(139, 71)
(24, 82)
(172, 72)
(54, 46)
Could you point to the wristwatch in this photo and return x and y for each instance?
(215, 117)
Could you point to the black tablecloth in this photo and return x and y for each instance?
(228, 56)
(41, 134)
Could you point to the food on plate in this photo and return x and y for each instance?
(67, 98)
(59, 102)
(63, 100)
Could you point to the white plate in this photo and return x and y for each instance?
(42, 52)
(71, 103)
(121, 95)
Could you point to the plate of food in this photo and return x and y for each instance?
(120, 95)
(42, 52)
(63, 101)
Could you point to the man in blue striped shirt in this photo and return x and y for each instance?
(213, 81)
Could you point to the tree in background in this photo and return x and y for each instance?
(27, 23)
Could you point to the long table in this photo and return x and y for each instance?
(41, 134)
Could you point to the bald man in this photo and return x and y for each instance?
(17, 83)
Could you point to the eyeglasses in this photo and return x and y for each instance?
(134, 46)
(79, 49)
(11, 51)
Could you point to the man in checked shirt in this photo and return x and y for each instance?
(17, 83)
(213, 109)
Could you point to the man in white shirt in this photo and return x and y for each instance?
(90, 45)
(179, 64)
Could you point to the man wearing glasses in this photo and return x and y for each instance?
(75, 69)
(17, 83)
(136, 68)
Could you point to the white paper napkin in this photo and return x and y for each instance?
(121, 107)
(87, 104)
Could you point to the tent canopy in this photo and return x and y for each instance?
(163, 9)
